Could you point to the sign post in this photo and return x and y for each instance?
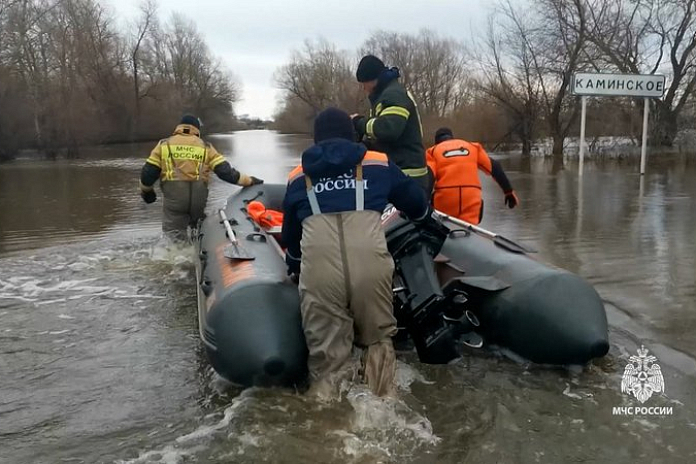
(583, 118)
(618, 85)
(644, 147)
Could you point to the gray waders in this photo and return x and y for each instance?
(346, 295)
(183, 206)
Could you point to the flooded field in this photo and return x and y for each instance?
(100, 360)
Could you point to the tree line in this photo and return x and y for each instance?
(512, 84)
(70, 76)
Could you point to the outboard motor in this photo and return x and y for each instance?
(430, 315)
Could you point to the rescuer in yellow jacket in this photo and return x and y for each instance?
(183, 163)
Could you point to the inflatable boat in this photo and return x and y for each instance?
(454, 284)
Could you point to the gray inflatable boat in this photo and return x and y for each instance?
(453, 285)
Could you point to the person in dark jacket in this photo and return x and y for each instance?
(393, 125)
(335, 241)
(182, 163)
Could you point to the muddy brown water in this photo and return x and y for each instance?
(100, 359)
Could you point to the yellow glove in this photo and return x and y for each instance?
(247, 181)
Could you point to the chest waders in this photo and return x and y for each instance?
(345, 294)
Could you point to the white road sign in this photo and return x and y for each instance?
(627, 85)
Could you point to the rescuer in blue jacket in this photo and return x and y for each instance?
(333, 233)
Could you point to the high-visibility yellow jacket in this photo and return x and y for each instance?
(185, 156)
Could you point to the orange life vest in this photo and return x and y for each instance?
(455, 164)
(266, 218)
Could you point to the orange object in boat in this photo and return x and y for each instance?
(266, 218)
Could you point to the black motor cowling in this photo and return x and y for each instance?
(420, 305)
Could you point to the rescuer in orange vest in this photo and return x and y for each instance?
(455, 164)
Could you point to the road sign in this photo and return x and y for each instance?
(619, 85)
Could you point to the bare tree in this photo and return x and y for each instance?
(195, 73)
(72, 78)
(27, 57)
(434, 69)
(320, 76)
(565, 39)
(510, 81)
(650, 36)
(5, 91)
(552, 37)
(146, 24)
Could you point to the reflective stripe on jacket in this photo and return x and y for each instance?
(184, 156)
(394, 127)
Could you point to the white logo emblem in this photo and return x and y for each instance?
(456, 152)
(388, 213)
(642, 376)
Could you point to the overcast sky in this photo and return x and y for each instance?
(253, 38)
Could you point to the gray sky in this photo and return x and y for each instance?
(253, 38)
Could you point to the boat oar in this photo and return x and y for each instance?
(499, 240)
(234, 250)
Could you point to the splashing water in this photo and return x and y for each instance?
(100, 359)
(385, 428)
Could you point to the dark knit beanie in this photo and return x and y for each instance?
(369, 68)
(442, 134)
(333, 123)
(191, 120)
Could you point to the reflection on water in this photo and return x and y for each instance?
(46, 203)
(100, 359)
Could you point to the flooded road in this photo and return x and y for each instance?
(100, 359)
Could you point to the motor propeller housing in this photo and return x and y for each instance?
(433, 317)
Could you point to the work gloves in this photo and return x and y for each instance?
(430, 219)
(148, 196)
(432, 226)
(248, 181)
(511, 199)
(359, 124)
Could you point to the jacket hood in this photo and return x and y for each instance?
(187, 129)
(385, 78)
(332, 157)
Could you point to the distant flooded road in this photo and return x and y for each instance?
(100, 360)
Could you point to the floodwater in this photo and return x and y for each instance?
(100, 359)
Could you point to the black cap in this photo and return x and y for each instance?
(369, 68)
(191, 120)
(442, 134)
(333, 123)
